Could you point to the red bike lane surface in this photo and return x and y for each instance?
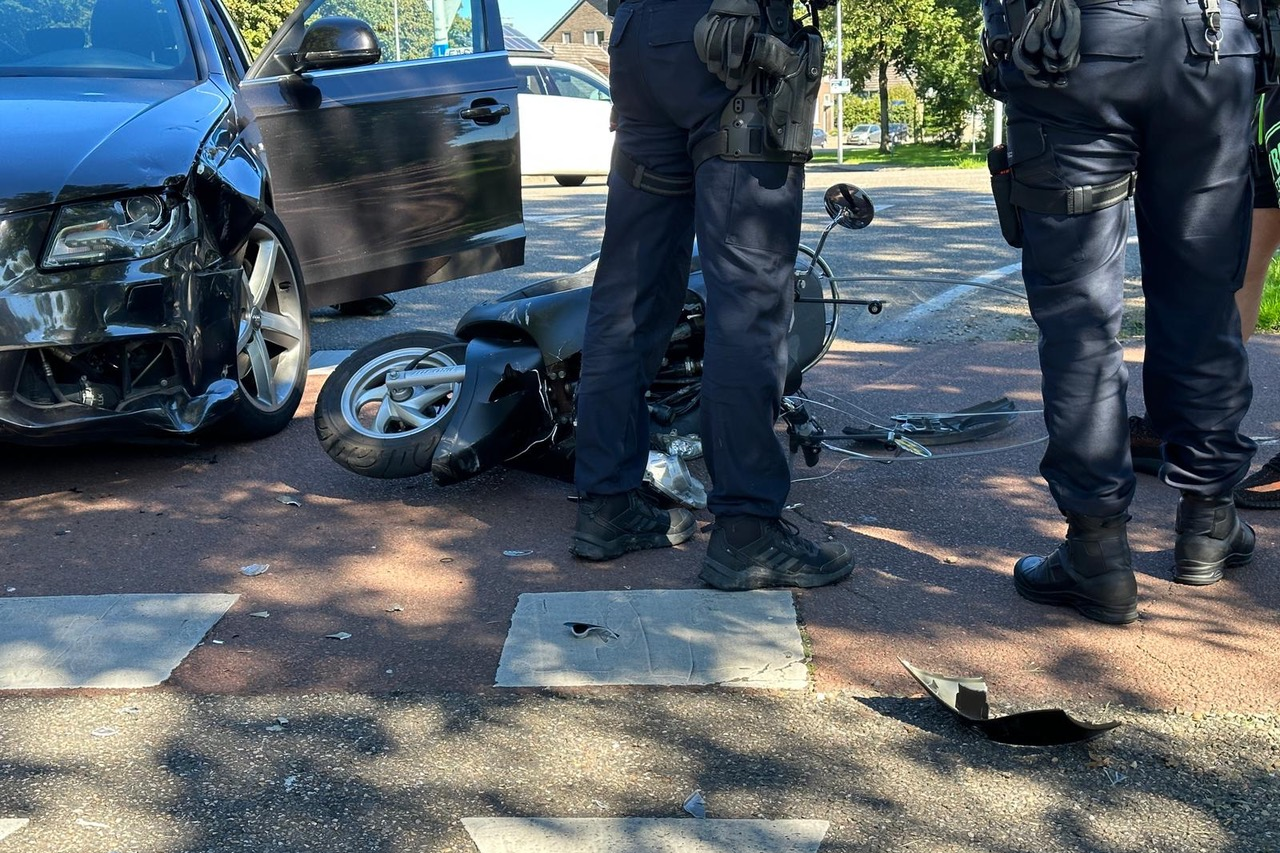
(425, 579)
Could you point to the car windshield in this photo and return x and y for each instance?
(865, 128)
(95, 38)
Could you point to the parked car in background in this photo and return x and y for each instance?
(899, 133)
(564, 120)
(864, 134)
(819, 138)
(163, 200)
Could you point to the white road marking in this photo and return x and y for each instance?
(665, 637)
(643, 835)
(952, 294)
(10, 825)
(114, 641)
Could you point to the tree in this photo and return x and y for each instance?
(932, 43)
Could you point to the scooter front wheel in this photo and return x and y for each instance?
(390, 428)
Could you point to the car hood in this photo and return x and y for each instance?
(83, 137)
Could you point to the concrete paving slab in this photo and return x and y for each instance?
(663, 637)
(10, 825)
(111, 641)
(644, 835)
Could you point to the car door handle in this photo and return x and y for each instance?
(490, 113)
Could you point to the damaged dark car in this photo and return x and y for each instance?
(163, 199)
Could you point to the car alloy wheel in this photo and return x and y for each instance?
(272, 341)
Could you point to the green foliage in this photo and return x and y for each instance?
(1269, 313)
(932, 43)
(258, 19)
(922, 155)
(860, 109)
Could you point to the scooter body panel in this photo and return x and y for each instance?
(500, 411)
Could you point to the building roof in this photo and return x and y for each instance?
(587, 55)
(600, 6)
(520, 44)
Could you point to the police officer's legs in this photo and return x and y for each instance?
(639, 287)
(748, 221)
(1193, 230)
(1073, 267)
(638, 290)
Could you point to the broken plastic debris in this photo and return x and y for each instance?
(105, 731)
(287, 501)
(514, 553)
(339, 635)
(586, 629)
(696, 805)
(670, 475)
(255, 569)
(966, 697)
(129, 709)
(10, 589)
(82, 822)
(395, 608)
(275, 728)
(289, 782)
(684, 446)
(261, 614)
(217, 642)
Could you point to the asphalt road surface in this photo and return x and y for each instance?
(349, 698)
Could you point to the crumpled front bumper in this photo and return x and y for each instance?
(85, 324)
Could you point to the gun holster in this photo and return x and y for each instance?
(1002, 192)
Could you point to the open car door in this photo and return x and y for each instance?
(399, 172)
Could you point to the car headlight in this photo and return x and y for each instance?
(140, 226)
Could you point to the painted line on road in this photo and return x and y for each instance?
(112, 641)
(643, 835)
(655, 637)
(952, 294)
(327, 359)
(10, 825)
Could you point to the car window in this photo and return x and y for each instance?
(407, 31)
(571, 84)
(95, 38)
(528, 81)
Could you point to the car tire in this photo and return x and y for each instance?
(272, 335)
(364, 429)
(571, 180)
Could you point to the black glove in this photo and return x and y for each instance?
(1049, 45)
(724, 38)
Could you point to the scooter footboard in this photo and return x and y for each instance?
(500, 411)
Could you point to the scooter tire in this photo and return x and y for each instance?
(367, 433)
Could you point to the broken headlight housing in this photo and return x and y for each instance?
(122, 229)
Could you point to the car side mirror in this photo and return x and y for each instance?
(849, 206)
(336, 43)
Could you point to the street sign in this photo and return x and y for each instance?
(840, 86)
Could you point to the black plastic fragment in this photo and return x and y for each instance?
(966, 697)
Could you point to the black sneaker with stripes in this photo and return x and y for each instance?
(746, 552)
(611, 525)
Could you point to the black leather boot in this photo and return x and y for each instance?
(1210, 537)
(1091, 571)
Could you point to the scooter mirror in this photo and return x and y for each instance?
(849, 206)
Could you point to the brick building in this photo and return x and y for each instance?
(581, 36)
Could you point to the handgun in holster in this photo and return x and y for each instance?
(1002, 192)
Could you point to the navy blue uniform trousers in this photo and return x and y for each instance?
(1148, 96)
(747, 220)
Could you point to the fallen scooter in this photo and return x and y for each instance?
(500, 390)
